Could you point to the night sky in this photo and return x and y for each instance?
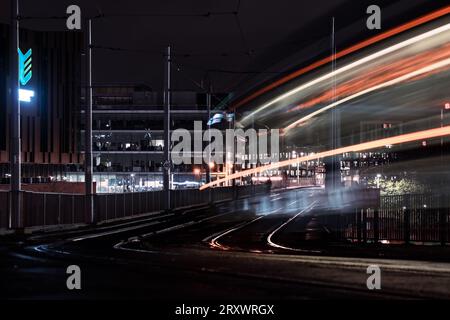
(237, 44)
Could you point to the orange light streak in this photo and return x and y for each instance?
(408, 137)
(404, 27)
(382, 74)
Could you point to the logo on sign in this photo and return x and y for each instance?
(25, 72)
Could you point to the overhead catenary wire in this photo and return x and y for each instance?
(205, 14)
(247, 51)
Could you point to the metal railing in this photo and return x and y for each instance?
(4, 208)
(410, 218)
(49, 209)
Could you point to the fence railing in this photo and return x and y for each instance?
(48, 209)
(4, 209)
(417, 218)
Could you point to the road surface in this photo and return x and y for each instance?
(236, 250)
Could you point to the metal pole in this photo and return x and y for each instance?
(333, 167)
(88, 135)
(333, 112)
(208, 169)
(167, 165)
(442, 148)
(15, 219)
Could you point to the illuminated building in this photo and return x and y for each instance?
(49, 123)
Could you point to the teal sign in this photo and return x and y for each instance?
(25, 72)
(25, 75)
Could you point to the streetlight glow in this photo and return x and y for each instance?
(25, 95)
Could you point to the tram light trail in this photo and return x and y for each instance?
(404, 138)
(395, 31)
(350, 66)
(381, 74)
(427, 69)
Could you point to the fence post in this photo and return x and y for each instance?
(59, 208)
(140, 200)
(358, 224)
(132, 202)
(364, 225)
(115, 205)
(106, 206)
(95, 204)
(406, 224)
(73, 208)
(124, 205)
(442, 222)
(44, 205)
(376, 225)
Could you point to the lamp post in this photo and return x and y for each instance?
(15, 214)
(167, 164)
(88, 165)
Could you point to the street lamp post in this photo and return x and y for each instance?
(167, 164)
(208, 167)
(88, 135)
(15, 214)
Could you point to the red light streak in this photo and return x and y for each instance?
(409, 137)
(409, 25)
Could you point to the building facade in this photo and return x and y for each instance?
(49, 121)
(128, 141)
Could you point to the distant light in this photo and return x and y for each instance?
(424, 143)
(196, 171)
(216, 118)
(25, 95)
(211, 165)
(403, 138)
(276, 178)
(447, 106)
(379, 175)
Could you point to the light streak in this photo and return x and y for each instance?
(351, 66)
(397, 30)
(271, 243)
(410, 75)
(408, 137)
(381, 74)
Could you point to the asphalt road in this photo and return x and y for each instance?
(239, 250)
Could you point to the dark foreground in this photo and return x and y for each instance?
(237, 251)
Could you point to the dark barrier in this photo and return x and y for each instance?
(47, 209)
(44, 209)
(4, 209)
(407, 218)
(120, 205)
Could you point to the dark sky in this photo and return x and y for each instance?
(231, 46)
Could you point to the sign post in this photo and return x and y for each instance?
(15, 214)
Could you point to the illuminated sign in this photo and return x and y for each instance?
(25, 95)
(25, 74)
